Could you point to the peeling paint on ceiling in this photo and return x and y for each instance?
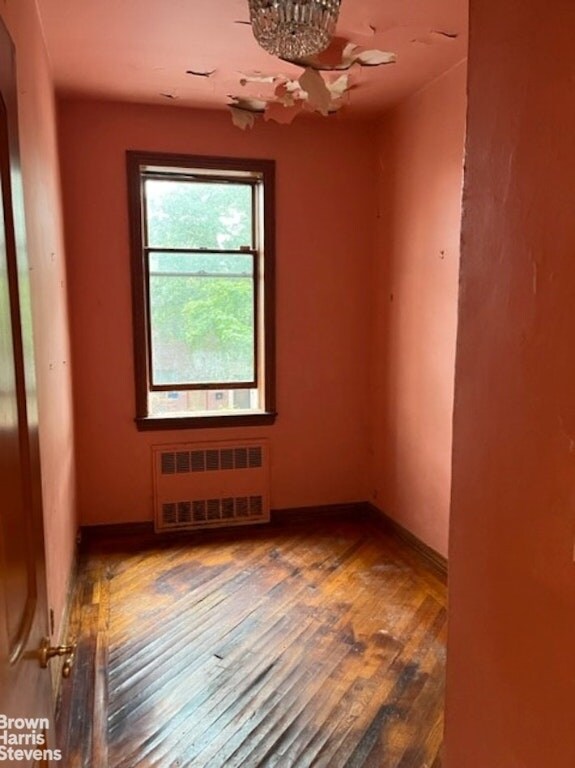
(194, 53)
(315, 90)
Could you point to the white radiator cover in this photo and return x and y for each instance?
(211, 484)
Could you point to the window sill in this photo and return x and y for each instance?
(151, 423)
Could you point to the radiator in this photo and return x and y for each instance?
(211, 485)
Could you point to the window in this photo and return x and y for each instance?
(202, 279)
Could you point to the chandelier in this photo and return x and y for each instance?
(292, 29)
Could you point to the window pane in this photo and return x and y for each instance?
(184, 214)
(202, 324)
(203, 401)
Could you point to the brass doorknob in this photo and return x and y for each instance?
(47, 652)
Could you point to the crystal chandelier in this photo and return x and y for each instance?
(292, 29)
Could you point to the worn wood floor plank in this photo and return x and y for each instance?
(312, 647)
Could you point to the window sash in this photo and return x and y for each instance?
(252, 275)
(255, 184)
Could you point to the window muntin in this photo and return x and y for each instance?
(202, 320)
(202, 243)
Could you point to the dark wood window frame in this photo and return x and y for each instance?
(137, 163)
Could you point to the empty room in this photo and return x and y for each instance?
(287, 426)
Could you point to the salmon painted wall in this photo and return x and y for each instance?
(40, 172)
(325, 194)
(420, 170)
(510, 674)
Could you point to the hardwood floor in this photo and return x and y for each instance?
(311, 645)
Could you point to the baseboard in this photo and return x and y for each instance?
(63, 637)
(115, 530)
(436, 561)
(278, 517)
(354, 511)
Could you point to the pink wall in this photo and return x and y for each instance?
(325, 192)
(38, 149)
(511, 677)
(420, 167)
